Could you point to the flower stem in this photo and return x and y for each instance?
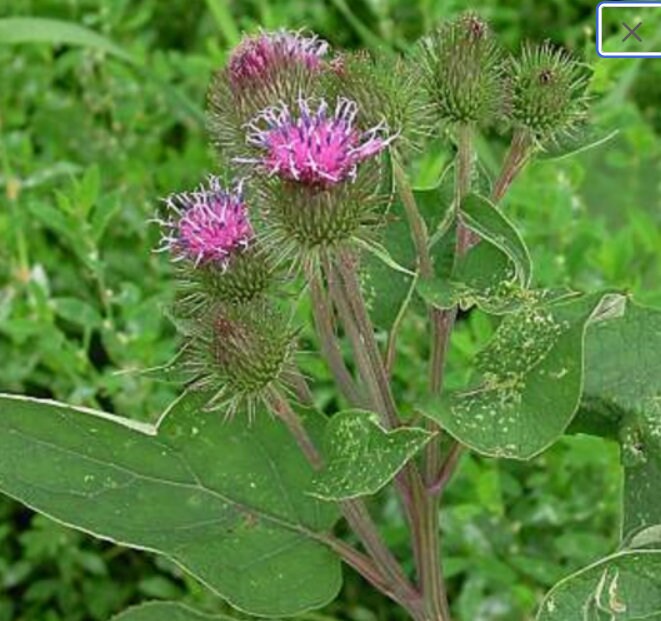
(431, 577)
(519, 154)
(354, 298)
(329, 347)
(419, 232)
(389, 577)
(371, 367)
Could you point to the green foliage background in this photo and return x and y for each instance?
(89, 141)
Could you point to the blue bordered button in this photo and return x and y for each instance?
(631, 38)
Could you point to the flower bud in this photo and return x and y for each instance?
(547, 92)
(238, 354)
(463, 71)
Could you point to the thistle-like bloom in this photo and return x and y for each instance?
(257, 57)
(209, 225)
(314, 147)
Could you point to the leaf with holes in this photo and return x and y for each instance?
(622, 587)
(528, 381)
(482, 216)
(225, 500)
(361, 456)
(493, 274)
(622, 399)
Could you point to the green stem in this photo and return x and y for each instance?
(447, 469)
(521, 150)
(443, 321)
(431, 577)
(354, 298)
(390, 576)
(329, 347)
(348, 300)
(351, 329)
(417, 224)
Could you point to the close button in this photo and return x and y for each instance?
(621, 30)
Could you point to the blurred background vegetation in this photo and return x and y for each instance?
(91, 136)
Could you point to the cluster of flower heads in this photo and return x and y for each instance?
(309, 144)
(208, 225)
(271, 115)
(238, 343)
(257, 57)
(316, 146)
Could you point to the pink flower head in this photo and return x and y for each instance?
(209, 225)
(256, 57)
(314, 147)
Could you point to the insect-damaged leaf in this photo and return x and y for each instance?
(622, 587)
(482, 216)
(622, 399)
(361, 456)
(528, 381)
(493, 274)
(226, 500)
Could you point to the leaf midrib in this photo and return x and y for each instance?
(198, 485)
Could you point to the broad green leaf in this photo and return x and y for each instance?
(45, 30)
(621, 399)
(622, 587)
(225, 500)
(485, 278)
(641, 496)
(361, 456)
(482, 216)
(647, 538)
(527, 384)
(166, 611)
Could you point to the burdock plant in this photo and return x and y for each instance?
(244, 480)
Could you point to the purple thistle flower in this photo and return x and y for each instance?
(314, 148)
(256, 57)
(209, 225)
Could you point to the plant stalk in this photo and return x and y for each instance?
(394, 583)
(329, 347)
(431, 577)
(519, 154)
(354, 299)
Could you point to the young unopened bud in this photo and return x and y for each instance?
(210, 237)
(548, 92)
(463, 71)
(262, 70)
(238, 354)
(322, 171)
